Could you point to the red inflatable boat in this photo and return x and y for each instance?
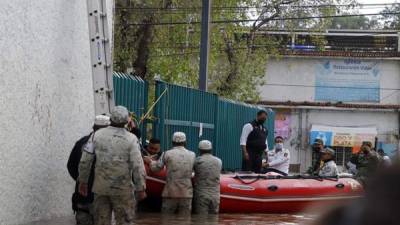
(272, 193)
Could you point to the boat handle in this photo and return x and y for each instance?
(273, 188)
(340, 185)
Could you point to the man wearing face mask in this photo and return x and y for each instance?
(317, 147)
(253, 142)
(279, 157)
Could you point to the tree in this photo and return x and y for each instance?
(392, 21)
(155, 37)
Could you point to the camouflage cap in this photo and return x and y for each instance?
(179, 137)
(102, 120)
(205, 145)
(328, 151)
(119, 115)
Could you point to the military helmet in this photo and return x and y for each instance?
(179, 137)
(328, 151)
(205, 145)
(119, 115)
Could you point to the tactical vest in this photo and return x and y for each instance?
(257, 137)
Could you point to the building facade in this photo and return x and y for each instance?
(353, 95)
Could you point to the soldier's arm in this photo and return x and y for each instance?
(156, 166)
(85, 166)
(139, 173)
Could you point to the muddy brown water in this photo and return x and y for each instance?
(223, 219)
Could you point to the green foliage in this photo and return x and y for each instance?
(392, 21)
(238, 54)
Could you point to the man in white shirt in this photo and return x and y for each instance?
(329, 168)
(279, 157)
(253, 142)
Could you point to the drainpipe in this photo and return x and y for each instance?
(300, 138)
(398, 134)
(398, 41)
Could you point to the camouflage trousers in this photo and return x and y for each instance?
(206, 203)
(182, 206)
(123, 207)
(85, 215)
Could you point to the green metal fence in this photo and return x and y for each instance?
(202, 115)
(184, 109)
(131, 92)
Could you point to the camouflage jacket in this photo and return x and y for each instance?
(179, 162)
(118, 162)
(366, 163)
(207, 170)
(328, 169)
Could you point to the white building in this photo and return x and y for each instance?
(47, 104)
(353, 94)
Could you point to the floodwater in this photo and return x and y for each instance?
(222, 219)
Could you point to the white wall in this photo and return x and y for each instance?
(302, 71)
(47, 104)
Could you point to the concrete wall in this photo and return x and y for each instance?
(302, 71)
(47, 104)
(302, 119)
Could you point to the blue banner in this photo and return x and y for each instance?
(325, 136)
(348, 80)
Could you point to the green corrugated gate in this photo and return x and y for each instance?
(184, 109)
(131, 92)
(202, 115)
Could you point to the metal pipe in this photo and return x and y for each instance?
(205, 44)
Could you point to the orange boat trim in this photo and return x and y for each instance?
(294, 199)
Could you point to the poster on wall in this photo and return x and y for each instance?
(343, 136)
(347, 80)
(282, 124)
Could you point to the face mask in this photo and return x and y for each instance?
(279, 146)
(261, 121)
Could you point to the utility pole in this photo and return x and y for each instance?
(205, 44)
(100, 55)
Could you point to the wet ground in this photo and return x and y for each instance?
(223, 219)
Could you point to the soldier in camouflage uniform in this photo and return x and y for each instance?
(207, 176)
(118, 162)
(367, 162)
(178, 191)
(317, 147)
(329, 168)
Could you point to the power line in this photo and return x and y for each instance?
(254, 20)
(229, 10)
(258, 7)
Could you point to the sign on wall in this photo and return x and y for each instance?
(282, 124)
(348, 80)
(343, 136)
